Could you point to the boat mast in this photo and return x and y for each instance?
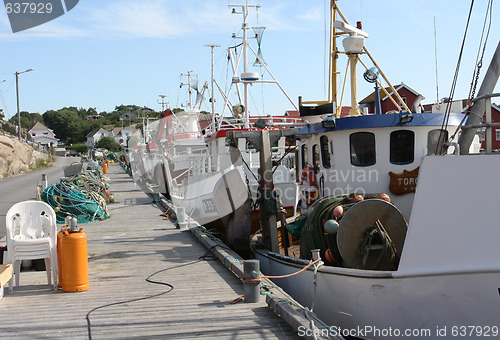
(394, 92)
(332, 84)
(246, 77)
(212, 99)
(353, 55)
(190, 91)
(244, 27)
(244, 47)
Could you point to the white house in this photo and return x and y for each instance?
(42, 135)
(95, 135)
(121, 135)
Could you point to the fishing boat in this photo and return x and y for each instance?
(398, 223)
(203, 186)
(243, 121)
(210, 172)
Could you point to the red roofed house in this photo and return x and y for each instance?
(408, 95)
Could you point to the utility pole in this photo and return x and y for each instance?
(17, 96)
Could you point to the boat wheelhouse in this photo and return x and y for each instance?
(420, 259)
(371, 154)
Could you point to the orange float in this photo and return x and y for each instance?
(74, 261)
(104, 168)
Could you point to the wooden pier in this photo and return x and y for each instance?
(186, 296)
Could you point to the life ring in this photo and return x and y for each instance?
(307, 175)
(310, 190)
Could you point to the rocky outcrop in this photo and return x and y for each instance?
(15, 157)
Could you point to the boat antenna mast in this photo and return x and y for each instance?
(244, 51)
(248, 78)
(354, 46)
(190, 88)
(212, 82)
(163, 102)
(332, 83)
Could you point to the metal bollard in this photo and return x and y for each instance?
(44, 181)
(315, 254)
(251, 271)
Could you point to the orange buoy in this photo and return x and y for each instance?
(74, 261)
(329, 257)
(59, 254)
(104, 168)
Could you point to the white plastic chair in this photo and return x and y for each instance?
(32, 234)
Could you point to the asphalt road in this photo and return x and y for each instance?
(23, 187)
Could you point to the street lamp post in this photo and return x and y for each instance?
(1, 110)
(17, 95)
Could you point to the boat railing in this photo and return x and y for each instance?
(238, 123)
(189, 153)
(488, 122)
(177, 193)
(208, 164)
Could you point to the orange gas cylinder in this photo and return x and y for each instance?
(74, 261)
(104, 168)
(59, 255)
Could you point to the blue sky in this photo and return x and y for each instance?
(107, 53)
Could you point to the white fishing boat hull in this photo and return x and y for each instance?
(376, 305)
(196, 199)
(448, 280)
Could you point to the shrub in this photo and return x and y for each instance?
(81, 148)
(108, 143)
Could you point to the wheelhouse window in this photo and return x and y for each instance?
(402, 147)
(304, 156)
(434, 138)
(362, 148)
(325, 152)
(315, 155)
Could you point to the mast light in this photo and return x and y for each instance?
(371, 75)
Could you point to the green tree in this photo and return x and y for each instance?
(108, 143)
(66, 124)
(58, 121)
(27, 119)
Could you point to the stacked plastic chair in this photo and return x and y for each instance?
(32, 234)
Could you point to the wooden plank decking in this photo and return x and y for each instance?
(191, 301)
